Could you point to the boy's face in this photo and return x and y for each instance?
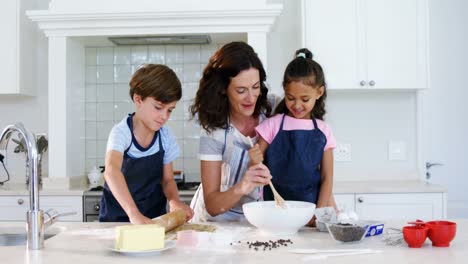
(152, 112)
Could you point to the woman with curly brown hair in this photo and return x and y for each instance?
(231, 101)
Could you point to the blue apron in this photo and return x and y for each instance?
(294, 159)
(143, 176)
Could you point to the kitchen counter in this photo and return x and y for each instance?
(342, 187)
(23, 189)
(90, 242)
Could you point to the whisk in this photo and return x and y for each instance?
(393, 236)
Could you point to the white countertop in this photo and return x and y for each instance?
(23, 189)
(90, 242)
(340, 187)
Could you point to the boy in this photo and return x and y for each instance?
(140, 152)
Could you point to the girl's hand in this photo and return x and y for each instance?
(311, 222)
(175, 205)
(255, 176)
(139, 219)
(255, 155)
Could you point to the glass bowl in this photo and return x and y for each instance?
(353, 232)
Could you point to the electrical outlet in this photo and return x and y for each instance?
(342, 152)
(397, 150)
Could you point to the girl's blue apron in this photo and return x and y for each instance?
(294, 159)
(143, 176)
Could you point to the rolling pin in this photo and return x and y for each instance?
(171, 220)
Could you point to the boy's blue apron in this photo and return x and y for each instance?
(294, 159)
(143, 176)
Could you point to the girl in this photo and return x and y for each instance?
(140, 152)
(297, 143)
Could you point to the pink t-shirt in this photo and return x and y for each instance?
(270, 127)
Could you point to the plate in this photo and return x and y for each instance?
(167, 245)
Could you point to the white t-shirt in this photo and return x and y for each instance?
(120, 138)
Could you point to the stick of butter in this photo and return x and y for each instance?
(139, 237)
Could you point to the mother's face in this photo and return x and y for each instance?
(243, 92)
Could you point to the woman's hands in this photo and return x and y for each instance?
(255, 176)
(175, 205)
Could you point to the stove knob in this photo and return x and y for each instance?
(96, 207)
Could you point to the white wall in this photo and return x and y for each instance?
(446, 109)
(368, 121)
(31, 111)
(283, 42)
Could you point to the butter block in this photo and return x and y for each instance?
(139, 237)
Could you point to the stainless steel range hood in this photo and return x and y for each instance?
(161, 40)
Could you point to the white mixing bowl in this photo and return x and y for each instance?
(278, 221)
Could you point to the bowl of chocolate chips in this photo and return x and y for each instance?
(348, 232)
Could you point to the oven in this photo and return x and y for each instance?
(91, 205)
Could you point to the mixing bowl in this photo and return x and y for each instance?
(415, 235)
(441, 232)
(278, 221)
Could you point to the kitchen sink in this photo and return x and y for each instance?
(8, 240)
(18, 237)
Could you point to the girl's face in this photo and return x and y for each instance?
(153, 113)
(300, 99)
(243, 92)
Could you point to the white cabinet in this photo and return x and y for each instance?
(14, 208)
(344, 201)
(410, 206)
(368, 43)
(394, 206)
(17, 48)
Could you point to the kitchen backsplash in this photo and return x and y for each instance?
(107, 101)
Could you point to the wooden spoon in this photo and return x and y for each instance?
(279, 201)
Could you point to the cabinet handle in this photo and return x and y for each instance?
(372, 83)
(360, 199)
(96, 207)
(363, 83)
(20, 201)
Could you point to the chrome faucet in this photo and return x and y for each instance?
(35, 216)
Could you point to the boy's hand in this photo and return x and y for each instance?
(139, 219)
(175, 205)
(255, 155)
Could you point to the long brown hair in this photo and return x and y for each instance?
(304, 69)
(211, 103)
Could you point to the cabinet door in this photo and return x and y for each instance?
(396, 43)
(412, 206)
(331, 34)
(13, 208)
(368, 43)
(345, 202)
(8, 46)
(64, 204)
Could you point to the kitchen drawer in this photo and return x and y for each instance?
(14, 208)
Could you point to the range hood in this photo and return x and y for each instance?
(161, 40)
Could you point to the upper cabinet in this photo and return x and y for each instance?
(361, 44)
(17, 48)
